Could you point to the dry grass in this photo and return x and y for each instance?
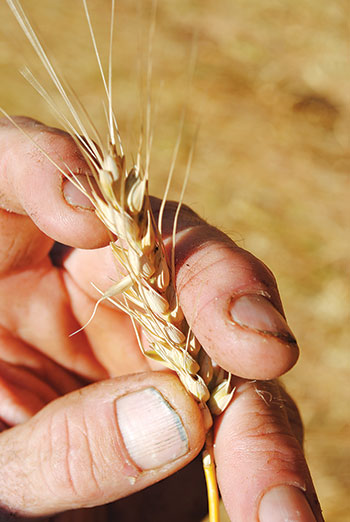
(271, 90)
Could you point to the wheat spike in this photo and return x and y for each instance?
(147, 292)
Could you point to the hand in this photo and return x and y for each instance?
(85, 420)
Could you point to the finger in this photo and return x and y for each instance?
(110, 333)
(231, 301)
(229, 297)
(35, 308)
(32, 185)
(21, 394)
(261, 468)
(28, 380)
(99, 444)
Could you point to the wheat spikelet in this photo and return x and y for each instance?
(147, 292)
(148, 288)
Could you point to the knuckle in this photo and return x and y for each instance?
(66, 460)
(265, 432)
(293, 414)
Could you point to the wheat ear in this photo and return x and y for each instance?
(147, 292)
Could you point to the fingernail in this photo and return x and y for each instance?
(257, 313)
(285, 504)
(152, 431)
(73, 196)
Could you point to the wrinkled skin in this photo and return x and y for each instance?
(53, 385)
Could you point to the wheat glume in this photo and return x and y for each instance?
(147, 291)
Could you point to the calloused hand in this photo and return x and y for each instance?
(85, 419)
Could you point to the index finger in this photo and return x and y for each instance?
(231, 300)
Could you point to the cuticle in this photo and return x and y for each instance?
(237, 295)
(241, 293)
(284, 337)
(63, 181)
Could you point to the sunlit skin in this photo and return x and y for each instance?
(46, 295)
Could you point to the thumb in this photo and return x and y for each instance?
(99, 444)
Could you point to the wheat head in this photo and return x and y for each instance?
(147, 291)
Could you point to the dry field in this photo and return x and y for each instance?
(271, 93)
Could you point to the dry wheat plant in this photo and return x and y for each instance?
(120, 197)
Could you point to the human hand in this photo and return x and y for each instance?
(65, 445)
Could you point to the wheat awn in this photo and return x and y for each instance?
(147, 292)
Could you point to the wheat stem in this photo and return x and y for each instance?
(210, 479)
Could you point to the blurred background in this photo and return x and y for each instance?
(270, 94)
